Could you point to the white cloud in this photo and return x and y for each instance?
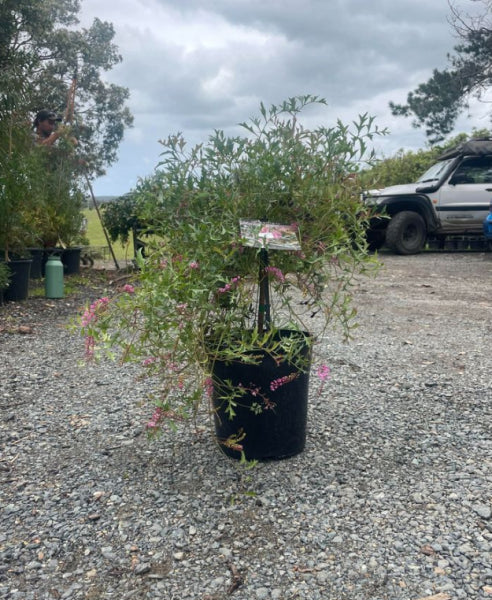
(193, 66)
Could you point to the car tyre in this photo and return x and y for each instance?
(406, 233)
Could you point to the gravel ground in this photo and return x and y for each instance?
(392, 498)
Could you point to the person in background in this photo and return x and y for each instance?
(45, 128)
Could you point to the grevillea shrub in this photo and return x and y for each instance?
(194, 298)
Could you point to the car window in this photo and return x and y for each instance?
(474, 170)
(435, 172)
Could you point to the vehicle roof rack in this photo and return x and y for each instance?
(473, 147)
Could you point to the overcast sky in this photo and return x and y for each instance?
(198, 65)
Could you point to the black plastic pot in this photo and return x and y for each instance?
(19, 279)
(277, 432)
(37, 255)
(71, 260)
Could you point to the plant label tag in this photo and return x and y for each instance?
(272, 236)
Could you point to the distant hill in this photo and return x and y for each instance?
(104, 199)
(99, 199)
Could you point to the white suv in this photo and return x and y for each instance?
(450, 198)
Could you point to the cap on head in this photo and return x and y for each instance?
(44, 115)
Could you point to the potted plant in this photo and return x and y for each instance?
(16, 200)
(217, 318)
(57, 216)
(120, 219)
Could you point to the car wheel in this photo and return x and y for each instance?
(406, 233)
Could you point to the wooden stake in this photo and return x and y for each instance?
(101, 221)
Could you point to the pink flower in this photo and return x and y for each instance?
(149, 361)
(276, 272)
(209, 386)
(276, 383)
(229, 286)
(194, 265)
(89, 346)
(129, 289)
(323, 372)
(155, 419)
(92, 312)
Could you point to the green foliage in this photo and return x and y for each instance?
(16, 185)
(41, 51)
(120, 217)
(57, 214)
(436, 103)
(194, 298)
(40, 195)
(4, 276)
(407, 167)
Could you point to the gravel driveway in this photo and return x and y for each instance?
(392, 498)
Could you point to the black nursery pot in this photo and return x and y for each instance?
(71, 260)
(19, 280)
(277, 432)
(37, 256)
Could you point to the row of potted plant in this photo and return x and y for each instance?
(40, 197)
(257, 240)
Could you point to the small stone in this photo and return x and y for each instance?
(484, 511)
(25, 329)
(142, 569)
(108, 553)
(466, 549)
(178, 555)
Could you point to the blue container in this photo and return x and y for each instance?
(487, 226)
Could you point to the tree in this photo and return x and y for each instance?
(407, 166)
(42, 54)
(437, 103)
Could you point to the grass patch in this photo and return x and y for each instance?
(96, 237)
